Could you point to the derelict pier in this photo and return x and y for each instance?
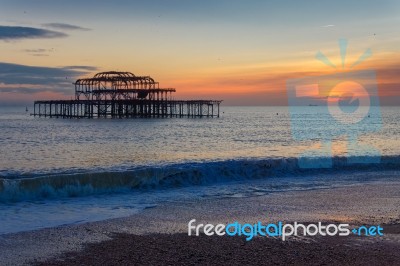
(124, 95)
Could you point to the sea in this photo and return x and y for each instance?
(56, 171)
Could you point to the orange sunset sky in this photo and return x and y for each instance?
(239, 51)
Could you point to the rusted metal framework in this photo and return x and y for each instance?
(122, 94)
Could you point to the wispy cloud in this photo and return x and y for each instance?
(8, 33)
(328, 26)
(36, 50)
(88, 68)
(40, 55)
(39, 52)
(64, 26)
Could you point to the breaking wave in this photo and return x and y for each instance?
(14, 189)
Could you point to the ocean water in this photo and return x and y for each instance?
(65, 171)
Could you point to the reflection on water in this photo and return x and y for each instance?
(33, 194)
(38, 145)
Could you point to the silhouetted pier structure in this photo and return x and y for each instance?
(122, 94)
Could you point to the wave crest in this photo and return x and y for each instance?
(175, 175)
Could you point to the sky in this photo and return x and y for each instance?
(242, 52)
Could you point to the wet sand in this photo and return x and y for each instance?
(158, 235)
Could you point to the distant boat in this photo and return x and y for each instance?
(26, 109)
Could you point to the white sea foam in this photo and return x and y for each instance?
(59, 171)
(67, 185)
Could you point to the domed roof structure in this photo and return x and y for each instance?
(120, 85)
